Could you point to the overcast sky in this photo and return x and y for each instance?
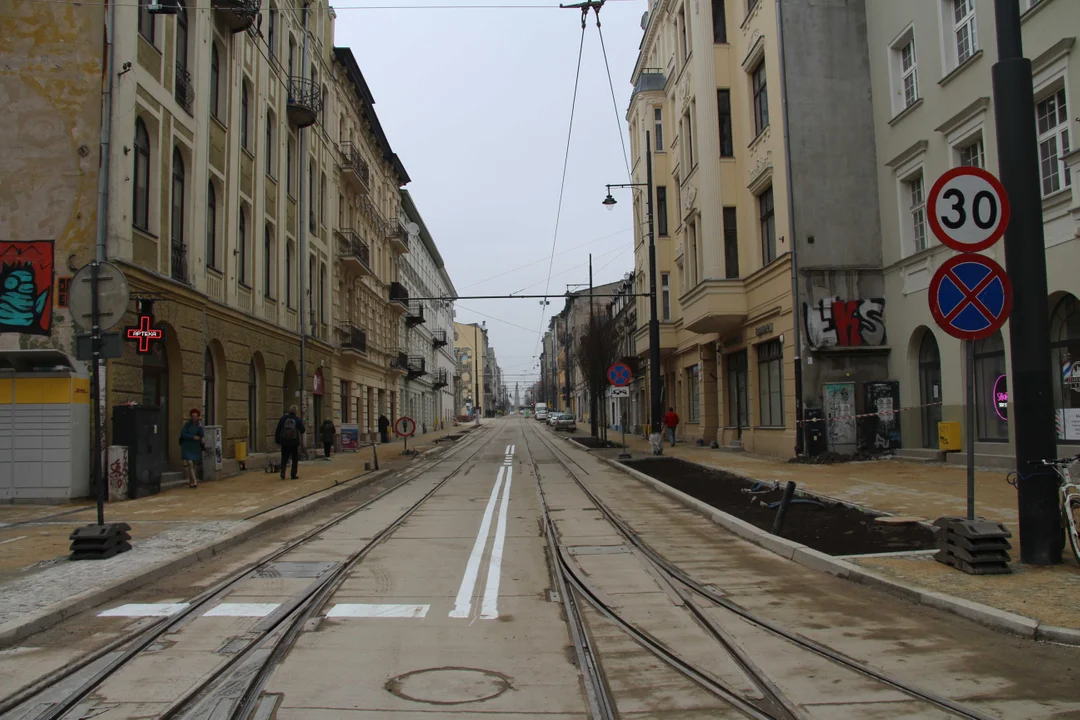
(476, 103)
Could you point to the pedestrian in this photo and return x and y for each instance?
(289, 429)
(327, 431)
(671, 421)
(384, 429)
(191, 437)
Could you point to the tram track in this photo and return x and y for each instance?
(56, 695)
(694, 594)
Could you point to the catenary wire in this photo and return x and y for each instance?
(562, 184)
(491, 317)
(336, 8)
(614, 103)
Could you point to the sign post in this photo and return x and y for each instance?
(970, 294)
(620, 375)
(405, 427)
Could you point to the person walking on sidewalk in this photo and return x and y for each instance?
(327, 431)
(191, 436)
(671, 421)
(384, 429)
(289, 429)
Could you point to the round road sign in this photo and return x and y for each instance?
(113, 296)
(405, 426)
(968, 209)
(970, 296)
(619, 374)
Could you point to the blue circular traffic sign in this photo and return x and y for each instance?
(619, 374)
(970, 296)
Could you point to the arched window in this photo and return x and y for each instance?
(930, 388)
(215, 77)
(209, 397)
(141, 200)
(244, 117)
(179, 250)
(1064, 351)
(211, 226)
(268, 257)
(991, 389)
(241, 249)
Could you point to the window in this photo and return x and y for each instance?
(245, 116)
(693, 391)
(215, 78)
(761, 99)
(658, 124)
(1052, 117)
(661, 210)
(242, 249)
(141, 198)
(971, 155)
(964, 30)
(1065, 350)
(768, 227)
(268, 263)
(689, 159)
(211, 226)
(719, 22)
(313, 200)
(665, 295)
(322, 200)
(322, 293)
(322, 110)
(731, 244)
(738, 400)
(684, 34)
(770, 384)
(909, 73)
(289, 275)
(991, 390)
(271, 33)
(344, 395)
(177, 214)
(181, 38)
(146, 21)
(292, 56)
(723, 112)
(693, 253)
(209, 396)
(917, 207)
(271, 124)
(290, 180)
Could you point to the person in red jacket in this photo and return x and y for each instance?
(671, 421)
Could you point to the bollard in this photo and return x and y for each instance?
(789, 493)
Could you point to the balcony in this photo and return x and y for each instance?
(399, 298)
(415, 366)
(354, 168)
(669, 341)
(305, 102)
(353, 339)
(238, 15)
(714, 306)
(399, 236)
(179, 263)
(399, 362)
(415, 315)
(184, 90)
(438, 339)
(439, 379)
(649, 80)
(354, 252)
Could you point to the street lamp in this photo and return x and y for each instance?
(654, 322)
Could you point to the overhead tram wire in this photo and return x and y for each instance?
(337, 8)
(562, 184)
(614, 103)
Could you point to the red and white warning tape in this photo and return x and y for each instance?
(873, 414)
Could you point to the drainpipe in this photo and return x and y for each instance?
(301, 244)
(800, 424)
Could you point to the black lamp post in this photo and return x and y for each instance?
(654, 322)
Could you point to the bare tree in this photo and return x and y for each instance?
(597, 349)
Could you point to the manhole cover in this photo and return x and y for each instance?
(449, 685)
(294, 569)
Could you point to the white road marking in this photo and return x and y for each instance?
(353, 610)
(11, 540)
(507, 450)
(490, 609)
(512, 449)
(144, 610)
(463, 602)
(257, 610)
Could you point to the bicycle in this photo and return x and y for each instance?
(1070, 496)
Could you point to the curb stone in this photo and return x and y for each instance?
(994, 618)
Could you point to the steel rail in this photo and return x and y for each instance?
(802, 641)
(136, 642)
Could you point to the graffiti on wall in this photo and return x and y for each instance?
(832, 322)
(26, 280)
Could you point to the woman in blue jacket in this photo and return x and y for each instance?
(191, 436)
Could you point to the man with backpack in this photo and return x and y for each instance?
(289, 429)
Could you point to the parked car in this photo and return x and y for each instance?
(552, 417)
(565, 421)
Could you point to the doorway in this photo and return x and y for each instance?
(930, 388)
(155, 390)
(253, 407)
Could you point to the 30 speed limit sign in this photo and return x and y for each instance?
(968, 209)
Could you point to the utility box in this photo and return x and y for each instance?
(815, 432)
(211, 454)
(949, 436)
(44, 427)
(240, 450)
(139, 429)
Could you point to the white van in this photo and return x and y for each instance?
(541, 411)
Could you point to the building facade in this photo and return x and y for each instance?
(622, 312)
(470, 349)
(933, 110)
(427, 394)
(739, 195)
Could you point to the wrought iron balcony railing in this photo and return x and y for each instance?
(353, 338)
(179, 262)
(415, 314)
(353, 251)
(184, 90)
(440, 379)
(305, 102)
(438, 339)
(399, 296)
(416, 366)
(239, 15)
(354, 166)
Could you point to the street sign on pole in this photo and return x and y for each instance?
(618, 391)
(970, 296)
(619, 374)
(405, 427)
(968, 209)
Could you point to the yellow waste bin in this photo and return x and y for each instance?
(241, 453)
(949, 435)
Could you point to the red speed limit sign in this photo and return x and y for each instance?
(968, 209)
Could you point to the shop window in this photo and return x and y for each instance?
(1064, 351)
(771, 384)
(693, 388)
(991, 389)
(738, 400)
